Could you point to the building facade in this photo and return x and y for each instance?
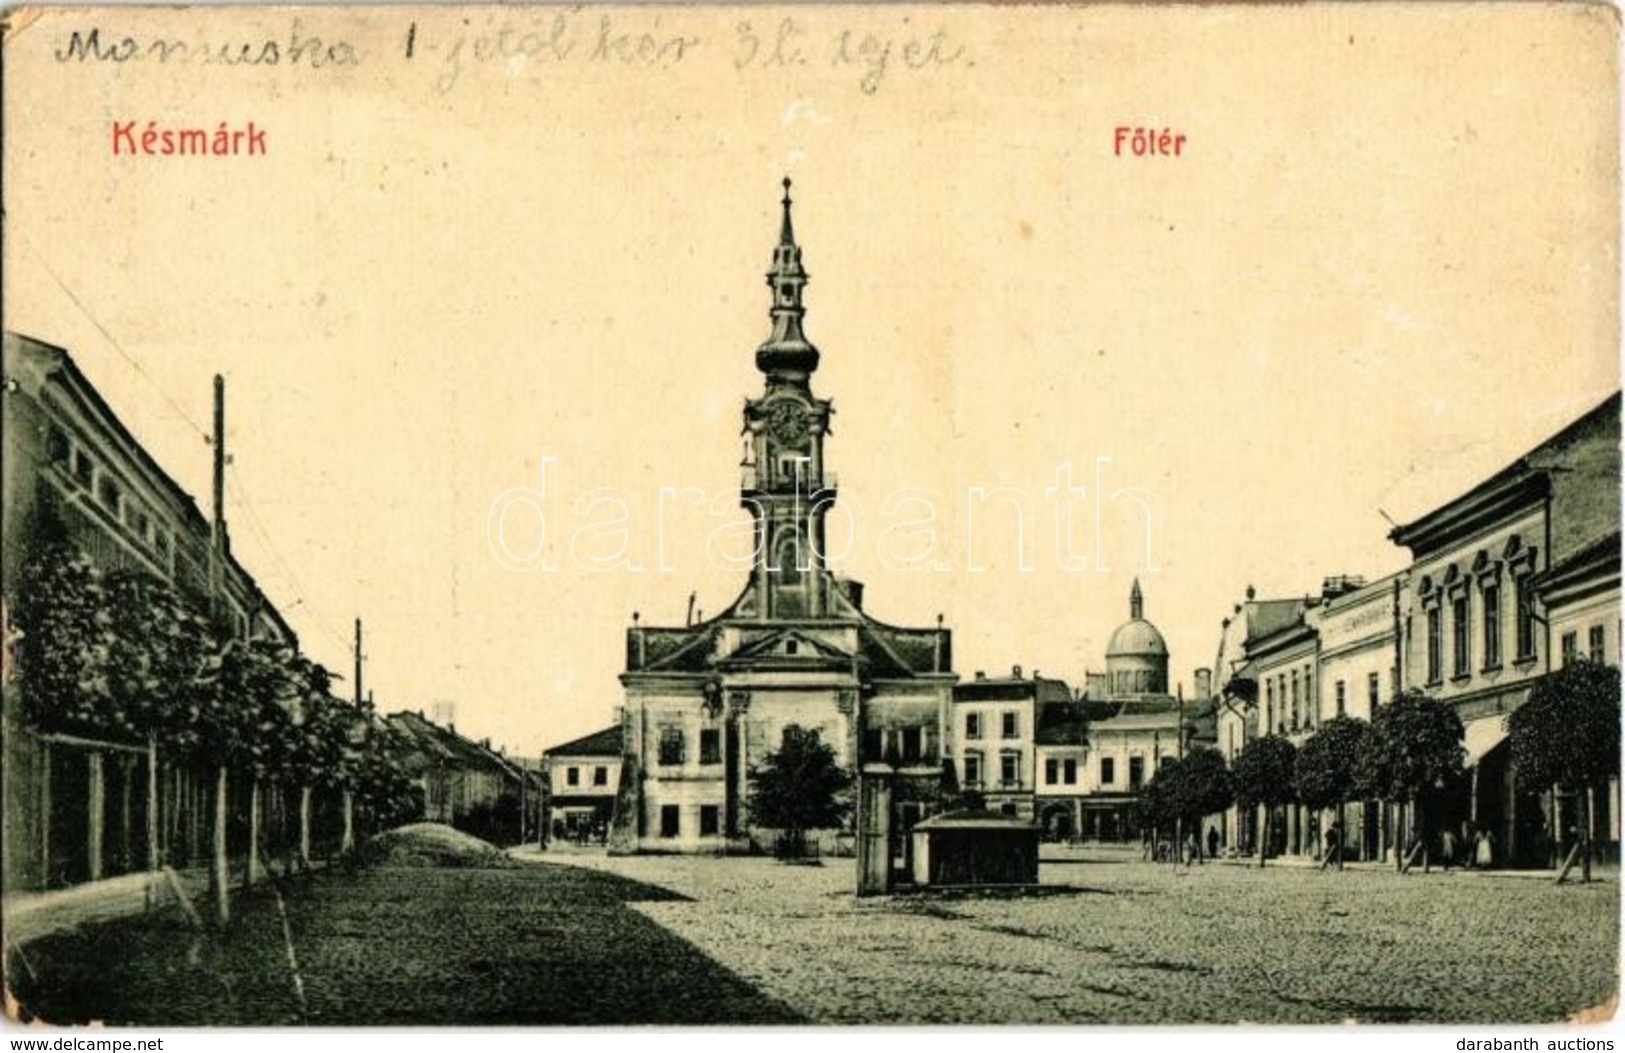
(1133, 725)
(1358, 673)
(583, 777)
(1478, 629)
(1242, 686)
(706, 702)
(75, 475)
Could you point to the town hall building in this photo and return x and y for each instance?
(706, 702)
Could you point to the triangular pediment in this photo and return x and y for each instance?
(789, 645)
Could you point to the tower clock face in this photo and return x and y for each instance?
(787, 421)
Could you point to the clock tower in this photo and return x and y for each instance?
(784, 484)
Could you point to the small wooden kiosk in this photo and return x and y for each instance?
(975, 848)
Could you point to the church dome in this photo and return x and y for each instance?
(1136, 637)
(1137, 655)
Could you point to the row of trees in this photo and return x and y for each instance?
(1565, 737)
(126, 658)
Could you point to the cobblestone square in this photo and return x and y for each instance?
(1107, 939)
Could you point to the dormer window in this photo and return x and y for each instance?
(791, 646)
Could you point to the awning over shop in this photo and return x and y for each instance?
(1483, 736)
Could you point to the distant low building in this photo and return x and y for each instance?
(583, 776)
(468, 784)
(996, 720)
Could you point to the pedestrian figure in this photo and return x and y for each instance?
(1447, 848)
(1485, 849)
(1213, 843)
(1193, 849)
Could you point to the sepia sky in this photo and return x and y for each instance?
(1383, 265)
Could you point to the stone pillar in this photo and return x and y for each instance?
(874, 829)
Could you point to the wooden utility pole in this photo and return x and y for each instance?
(347, 841)
(217, 558)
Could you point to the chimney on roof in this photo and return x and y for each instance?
(1015, 672)
(1204, 683)
(980, 675)
(1251, 592)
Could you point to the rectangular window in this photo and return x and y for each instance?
(600, 776)
(1526, 622)
(57, 447)
(1010, 726)
(1136, 772)
(1342, 698)
(107, 492)
(1069, 771)
(1052, 771)
(710, 820)
(83, 470)
(874, 744)
(1492, 626)
(1571, 647)
(1009, 769)
(1311, 703)
(671, 745)
(1598, 651)
(1294, 724)
(1435, 644)
(908, 744)
(1461, 652)
(710, 746)
(973, 769)
(1108, 771)
(973, 725)
(1373, 691)
(670, 820)
(572, 776)
(1269, 705)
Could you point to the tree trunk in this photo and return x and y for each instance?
(253, 873)
(45, 816)
(1586, 833)
(219, 873)
(97, 816)
(1401, 847)
(154, 823)
(1342, 817)
(1263, 833)
(304, 827)
(347, 843)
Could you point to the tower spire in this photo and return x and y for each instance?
(787, 354)
(787, 233)
(1136, 601)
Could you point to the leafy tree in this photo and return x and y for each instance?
(799, 788)
(1263, 774)
(1156, 801)
(1203, 785)
(1415, 751)
(1330, 769)
(159, 652)
(1567, 735)
(63, 660)
(1184, 790)
(385, 791)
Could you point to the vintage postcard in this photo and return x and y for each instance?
(812, 515)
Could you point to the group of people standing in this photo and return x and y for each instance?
(1473, 846)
